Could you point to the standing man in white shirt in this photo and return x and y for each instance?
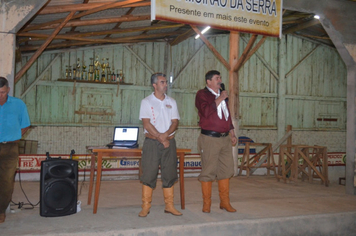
(160, 118)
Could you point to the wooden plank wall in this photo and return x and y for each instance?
(315, 89)
(258, 86)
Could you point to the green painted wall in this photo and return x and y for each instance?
(315, 87)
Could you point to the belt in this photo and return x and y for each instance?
(16, 141)
(147, 135)
(214, 134)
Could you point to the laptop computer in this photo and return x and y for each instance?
(125, 137)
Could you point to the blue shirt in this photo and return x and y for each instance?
(13, 118)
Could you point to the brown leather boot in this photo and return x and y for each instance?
(146, 200)
(206, 190)
(2, 217)
(168, 199)
(224, 195)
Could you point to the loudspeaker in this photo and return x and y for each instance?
(59, 187)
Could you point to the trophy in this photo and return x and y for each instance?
(91, 70)
(108, 71)
(74, 71)
(121, 77)
(103, 67)
(113, 75)
(117, 76)
(97, 69)
(84, 72)
(67, 72)
(78, 76)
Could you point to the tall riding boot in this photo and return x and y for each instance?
(206, 190)
(146, 200)
(2, 217)
(168, 199)
(224, 195)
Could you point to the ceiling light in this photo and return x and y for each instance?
(203, 31)
(317, 17)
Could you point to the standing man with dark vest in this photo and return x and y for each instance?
(160, 117)
(215, 141)
(14, 122)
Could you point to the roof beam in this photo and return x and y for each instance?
(88, 12)
(211, 47)
(245, 52)
(85, 7)
(42, 48)
(265, 63)
(97, 21)
(139, 38)
(80, 36)
(301, 26)
(258, 45)
(117, 26)
(182, 37)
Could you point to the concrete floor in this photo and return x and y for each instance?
(264, 207)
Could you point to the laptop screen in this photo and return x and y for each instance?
(125, 133)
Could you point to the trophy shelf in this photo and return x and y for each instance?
(93, 82)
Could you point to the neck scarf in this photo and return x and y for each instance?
(222, 106)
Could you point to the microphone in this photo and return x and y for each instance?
(222, 86)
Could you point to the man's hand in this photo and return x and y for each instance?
(162, 137)
(224, 94)
(165, 143)
(233, 140)
(222, 97)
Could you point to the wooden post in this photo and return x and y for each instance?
(281, 96)
(234, 91)
(247, 151)
(289, 139)
(270, 155)
(282, 163)
(325, 166)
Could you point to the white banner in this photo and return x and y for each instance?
(250, 16)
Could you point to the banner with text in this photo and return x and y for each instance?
(250, 16)
(32, 162)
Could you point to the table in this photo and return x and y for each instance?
(128, 153)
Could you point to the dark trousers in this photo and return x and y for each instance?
(9, 157)
(154, 155)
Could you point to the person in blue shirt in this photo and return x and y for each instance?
(14, 122)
